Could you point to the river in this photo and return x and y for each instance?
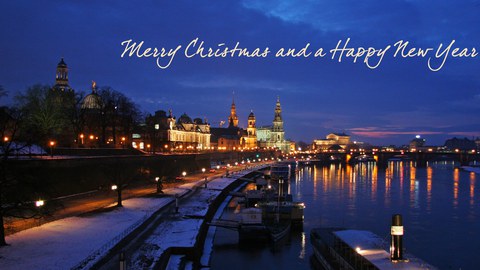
(440, 205)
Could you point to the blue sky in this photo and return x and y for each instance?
(386, 105)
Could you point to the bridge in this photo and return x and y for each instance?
(382, 157)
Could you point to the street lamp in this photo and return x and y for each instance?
(123, 142)
(39, 203)
(81, 137)
(52, 144)
(203, 171)
(184, 173)
(5, 139)
(114, 187)
(159, 184)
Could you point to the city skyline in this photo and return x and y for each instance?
(390, 104)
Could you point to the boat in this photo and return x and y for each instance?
(364, 158)
(277, 231)
(280, 170)
(285, 210)
(400, 158)
(339, 248)
(473, 166)
(251, 226)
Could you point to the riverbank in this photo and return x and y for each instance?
(80, 242)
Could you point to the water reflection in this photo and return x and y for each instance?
(437, 200)
(472, 188)
(456, 179)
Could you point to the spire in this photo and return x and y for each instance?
(277, 120)
(233, 119)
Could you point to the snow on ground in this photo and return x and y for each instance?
(180, 230)
(62, 244)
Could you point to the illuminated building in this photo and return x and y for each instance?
(332, 140)
(274, 136)
(61, 77)
(165, 133)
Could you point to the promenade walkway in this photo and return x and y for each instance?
(78, 242)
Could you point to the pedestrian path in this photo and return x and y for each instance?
(78, 242)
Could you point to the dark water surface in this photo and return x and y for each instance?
(440, 205)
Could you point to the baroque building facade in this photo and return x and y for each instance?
(274, 136)
(164, 133)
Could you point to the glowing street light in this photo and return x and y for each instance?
(6, 139)
(203, 171)
(81, 137)
(52, 144)
(39, 203)
(184, 173)
(114, 187)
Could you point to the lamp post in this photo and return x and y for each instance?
(203, 171)
(159, 184)
(184, 173)
(155, 130)
(81, 137)
(52, 144)
(123, 142)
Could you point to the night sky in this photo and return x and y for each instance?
(390, 104)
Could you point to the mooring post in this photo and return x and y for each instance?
(123, 263)
(396, 245)
(176, 202)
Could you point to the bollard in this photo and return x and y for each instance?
(123, 263)
(176, 203)
(205, 182)
(396, 245)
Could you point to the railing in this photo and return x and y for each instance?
(100, 252)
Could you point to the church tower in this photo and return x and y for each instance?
(61, 77)
(278, 134)
(251, 131)
(233, 119)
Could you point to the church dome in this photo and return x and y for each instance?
(251, 116)
(185, 119)
(92, 101)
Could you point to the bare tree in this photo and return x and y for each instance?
(18, 188)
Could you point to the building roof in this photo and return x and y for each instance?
(92, 101)
(185, 119)
(62, 63)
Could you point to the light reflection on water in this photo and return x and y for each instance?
(439, 205)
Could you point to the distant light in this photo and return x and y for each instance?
(358, 249)
(418, 136)
(39, 203)
(184, 173)
(114, 187)
(203, 170)
(157, 178)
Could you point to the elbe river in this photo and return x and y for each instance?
(439, 203)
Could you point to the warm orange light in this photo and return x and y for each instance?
(52, 143)
(123, 139)
(91, 137)
(166, 146)
(81, 136)
(148, 145)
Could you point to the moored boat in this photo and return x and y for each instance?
(338, 248)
